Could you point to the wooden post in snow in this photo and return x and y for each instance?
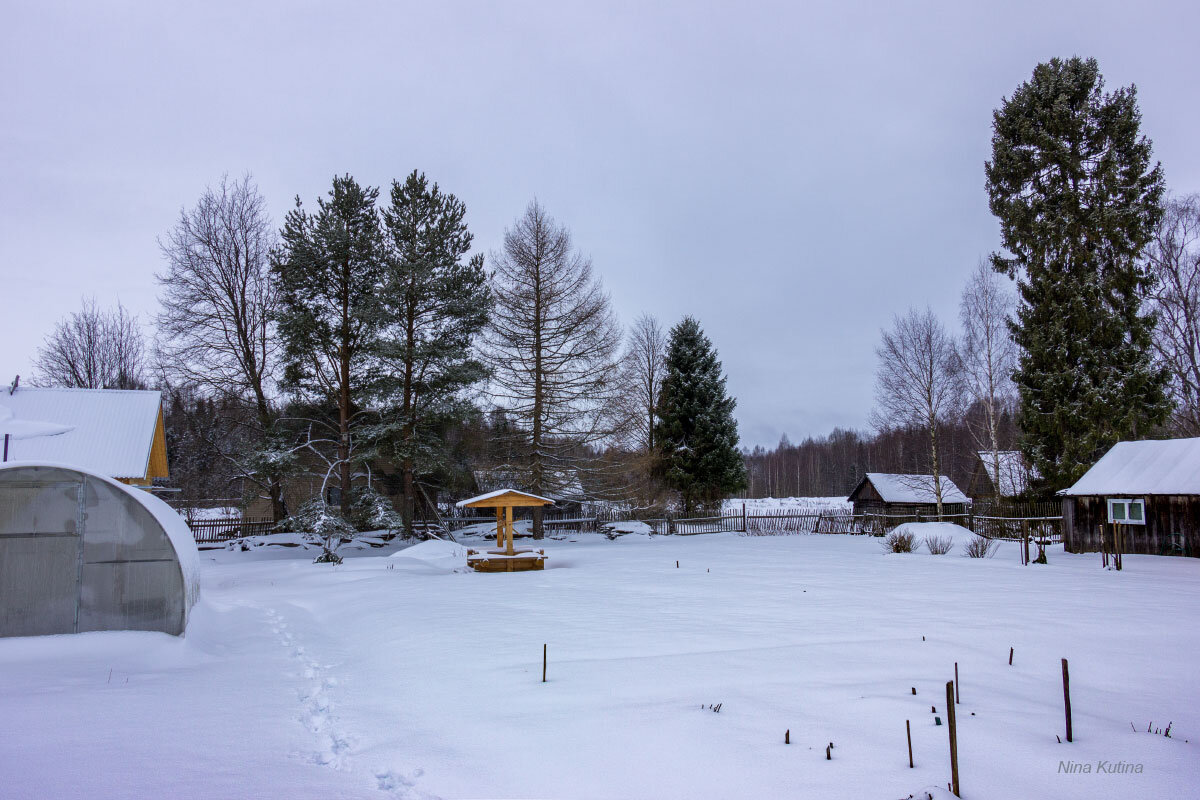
(953, 728)
(908, 730)
(1067, 697)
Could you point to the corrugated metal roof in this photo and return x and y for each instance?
(914, 488)
(1166, 466)
(106, 431)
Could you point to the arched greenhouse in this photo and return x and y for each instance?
(82, 552)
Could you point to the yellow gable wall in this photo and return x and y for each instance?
(157, 465)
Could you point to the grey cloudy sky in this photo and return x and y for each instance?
(791, 174)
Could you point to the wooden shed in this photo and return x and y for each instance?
(903, 495)
(1004, 474)
(1150, 488)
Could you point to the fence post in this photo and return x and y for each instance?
(744, 518)
(953, 730)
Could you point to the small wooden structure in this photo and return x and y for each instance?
(506, 558)
(905, 495)
(1161, 477)
(1001, 474)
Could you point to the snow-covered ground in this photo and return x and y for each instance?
(401, 674)
(799, 505)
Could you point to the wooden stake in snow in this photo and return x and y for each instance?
(676, 565)
(543, 663)
(1067, 698)
(956, 682)
(908, 730)
(914, 690)
(953, 738)
(828, 756)
(1010, 652)
(787, 736)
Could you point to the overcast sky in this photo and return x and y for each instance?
(790, 174)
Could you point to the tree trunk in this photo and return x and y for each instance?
(536, 465)
(344, 391)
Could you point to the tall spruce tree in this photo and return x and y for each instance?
(696, 434)
(1078, 199)
(435, 303)
(330, 269)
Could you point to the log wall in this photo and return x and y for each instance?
(1172, 525)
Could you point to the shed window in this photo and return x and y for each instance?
(1124, 511)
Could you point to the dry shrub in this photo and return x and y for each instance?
(939, 545)
(897, 542)
(980, 547)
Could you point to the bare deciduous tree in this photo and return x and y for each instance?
(918, 383)
(215, 331)
(554, 342)
(1174, 258)
(642, 370)
(94, 348)
(988, 357)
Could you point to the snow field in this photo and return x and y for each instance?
(407, 675)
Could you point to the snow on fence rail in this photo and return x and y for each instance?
(221, 530)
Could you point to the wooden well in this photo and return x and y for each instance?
(505, 557)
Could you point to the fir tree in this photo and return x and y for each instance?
(1078, 200)
(435, 303)
(330, 271)
(696, 434)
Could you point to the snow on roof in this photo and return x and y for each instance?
(497, 493)
(913, 488)
(1163, 466)
(105, 431)
(1014, 474)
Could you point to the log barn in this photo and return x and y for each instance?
(903, 495)
(1152, 488)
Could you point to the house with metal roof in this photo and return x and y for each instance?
(1150, 489)
(117, 433)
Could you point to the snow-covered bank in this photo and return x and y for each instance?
(406, 677)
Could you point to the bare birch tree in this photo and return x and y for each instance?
(988, 356)
(1174, 260)
(642, 369)
(215, 330)
(553, 341)
(918, 383)
(94, 348)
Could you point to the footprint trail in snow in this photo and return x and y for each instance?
(316, 714)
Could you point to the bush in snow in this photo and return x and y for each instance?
(939, 545)
(318, 523)
(979, 547)
(371, 511)
(897, 542)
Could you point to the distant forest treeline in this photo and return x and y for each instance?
(830, 466)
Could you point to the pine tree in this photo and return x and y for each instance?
(434, 304)
(330, 271)
(696, 434)
(1077, 198)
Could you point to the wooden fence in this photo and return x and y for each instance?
(1009, 520)
(222, 530)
